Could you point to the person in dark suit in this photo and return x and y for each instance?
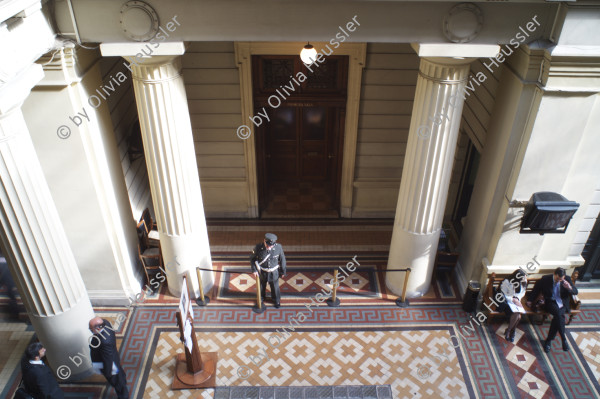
(104, 355)
(557, 290)
(38, 379)
(267, 261)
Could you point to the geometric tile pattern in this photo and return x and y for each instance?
(588, 343)
(523, 364)
(293, 199)
(301, 282)
(319, 358)
(304, 278)
(558, 374)
(420, 333)
(411, 349)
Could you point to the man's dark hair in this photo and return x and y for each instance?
(33, 350)
(559, 271)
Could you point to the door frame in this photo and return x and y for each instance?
(357, 53)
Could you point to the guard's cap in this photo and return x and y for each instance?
(270, 238)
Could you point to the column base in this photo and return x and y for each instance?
(65, 337)
(416, 251)
(181, 256)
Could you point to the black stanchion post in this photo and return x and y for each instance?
(403, 302)
(201, 300)
(334, 302)
(259, 308)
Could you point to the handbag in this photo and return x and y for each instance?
(21, 392)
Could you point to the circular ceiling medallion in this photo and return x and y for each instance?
(463, 23)
(139, 21)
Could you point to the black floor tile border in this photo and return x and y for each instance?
(316, 392)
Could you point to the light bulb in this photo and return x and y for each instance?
(308, 54)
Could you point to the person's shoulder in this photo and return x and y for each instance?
(25, 365)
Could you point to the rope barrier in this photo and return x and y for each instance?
(320, 269)
(222, 271)
(334, 301)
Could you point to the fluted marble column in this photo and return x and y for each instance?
(426, 174)
(34, 241)
(172, 168)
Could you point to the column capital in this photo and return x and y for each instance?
(444, 73)
(142, 51)
(67, 65)
(455, 53)
(148, 62)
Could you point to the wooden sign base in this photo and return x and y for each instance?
(205, 378)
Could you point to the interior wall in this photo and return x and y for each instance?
(388, 91)
(213, 90)
(516, 104)
(389, 81)
(569, 169)
(85, 177)
(474, 125)
(123, 113)
(460, 158)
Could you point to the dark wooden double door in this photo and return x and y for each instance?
(301, 144)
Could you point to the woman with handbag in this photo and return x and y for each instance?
(513, 287)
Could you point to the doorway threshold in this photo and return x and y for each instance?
(284, 214)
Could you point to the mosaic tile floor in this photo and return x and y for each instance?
(315, 359)
(406, 348)
(288, 199)
(356, 345)
(366, 341)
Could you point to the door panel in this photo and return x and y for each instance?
(314, 129)
(282, 144)
(302, 142)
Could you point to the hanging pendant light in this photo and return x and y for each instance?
(308, 54)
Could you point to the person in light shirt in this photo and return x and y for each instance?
(513, 287)
(38, 380)
(105, 356)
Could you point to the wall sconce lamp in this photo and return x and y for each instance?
(546, 212)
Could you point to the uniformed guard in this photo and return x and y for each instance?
(268, 259)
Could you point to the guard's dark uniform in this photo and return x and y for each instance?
(270, 264)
